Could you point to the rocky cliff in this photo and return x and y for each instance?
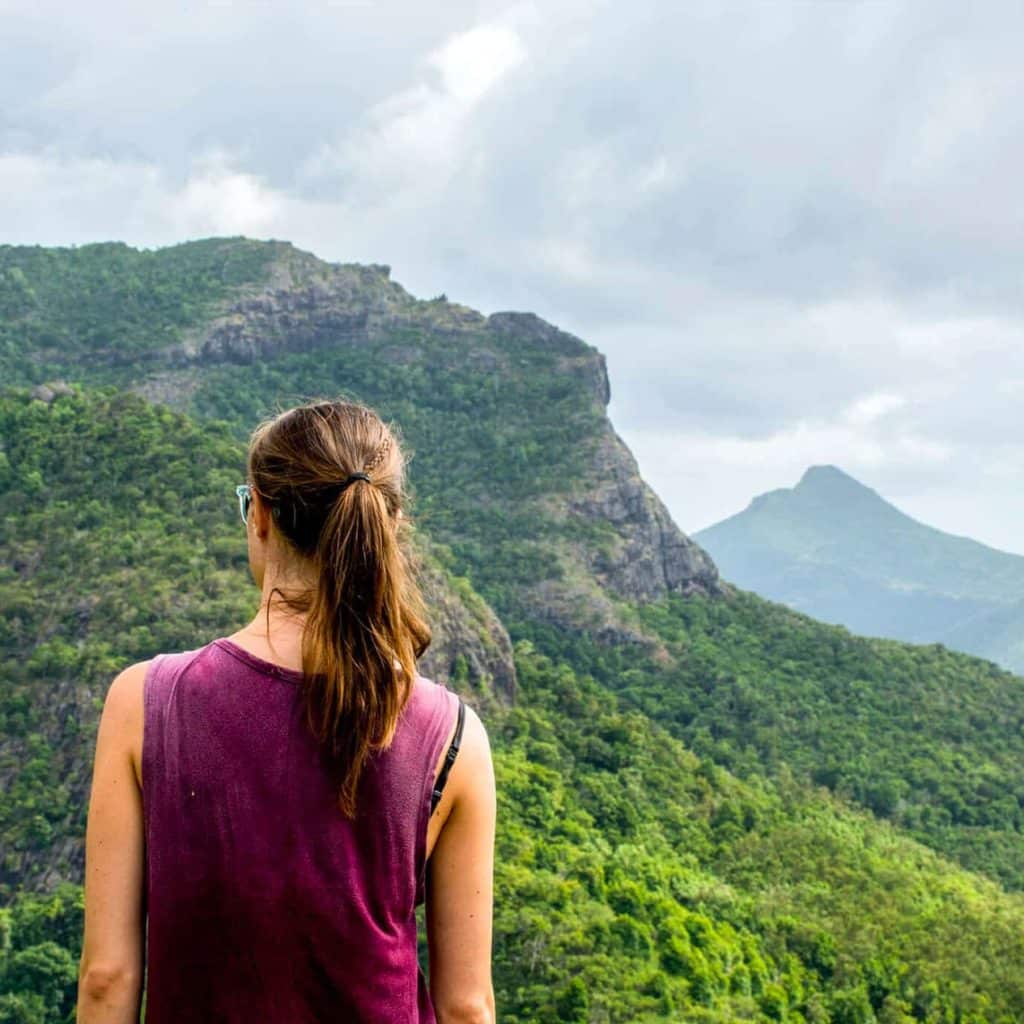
(225, 328)
(307, 305)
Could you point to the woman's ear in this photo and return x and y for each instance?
(259, 515)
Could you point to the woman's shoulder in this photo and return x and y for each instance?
(424, 684)
(441, 702)
(429, 694)
(169, 671)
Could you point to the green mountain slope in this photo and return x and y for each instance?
(835, 549)
(661, 737)
(521, 477)
(636, 880)
(509, 408)
(119, 542)
(564, 546)
(112, 305)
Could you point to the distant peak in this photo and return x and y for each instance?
(831, 480)
(826, 474)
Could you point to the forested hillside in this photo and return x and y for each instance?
(712, 808)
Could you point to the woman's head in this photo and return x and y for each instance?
(298, 463)
(344, 540)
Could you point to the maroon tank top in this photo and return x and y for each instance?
(263, 902)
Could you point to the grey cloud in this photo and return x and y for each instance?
(747, 206)
(270, 83)
(805, 144)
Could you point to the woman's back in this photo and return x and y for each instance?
(246, 806)
(264, 902)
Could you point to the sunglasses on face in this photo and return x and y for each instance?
(244, 492)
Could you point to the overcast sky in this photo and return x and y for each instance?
(796, 230)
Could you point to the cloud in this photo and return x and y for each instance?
(214, 198)
(793, 228)
(409, 146)
(225, 201)
(871, 408)
(471, 62)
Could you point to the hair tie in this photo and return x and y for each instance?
(333, 490)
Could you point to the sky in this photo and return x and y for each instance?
(795, 230)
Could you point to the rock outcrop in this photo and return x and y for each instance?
(48, 392)
(649, 556)
(308, 305)
(470, 651)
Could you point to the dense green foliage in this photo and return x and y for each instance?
(40, 943)
(104, 499)
(486, 449)
(672, 890)
(636, 880)
(110, 304)
(924, 736)
(686, 833)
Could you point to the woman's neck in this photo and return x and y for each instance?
(281, 643)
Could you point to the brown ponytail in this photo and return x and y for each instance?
(365, 623)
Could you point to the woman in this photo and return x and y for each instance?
(262, 854)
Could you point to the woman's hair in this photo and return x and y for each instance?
(365, 625)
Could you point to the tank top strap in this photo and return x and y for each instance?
(437, 710)
(162, 674)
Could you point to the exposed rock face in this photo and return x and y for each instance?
(531, 328)
(471, 651)
(650, 556)
(48, 392)
(170, 387)
(308, 304)
(629, 551)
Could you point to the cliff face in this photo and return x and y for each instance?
(470, 651)
(651, 557)
(626, 546)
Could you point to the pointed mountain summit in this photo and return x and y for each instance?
(836, 549)
(833, 491)
(830, 481)
(828, 477)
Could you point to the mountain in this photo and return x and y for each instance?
(837, 550)
(711, 807)
(520, 402)
(636, 879)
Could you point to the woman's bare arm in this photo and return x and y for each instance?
(460, 887)
(111, 968)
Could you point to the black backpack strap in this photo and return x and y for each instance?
(449, 758)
